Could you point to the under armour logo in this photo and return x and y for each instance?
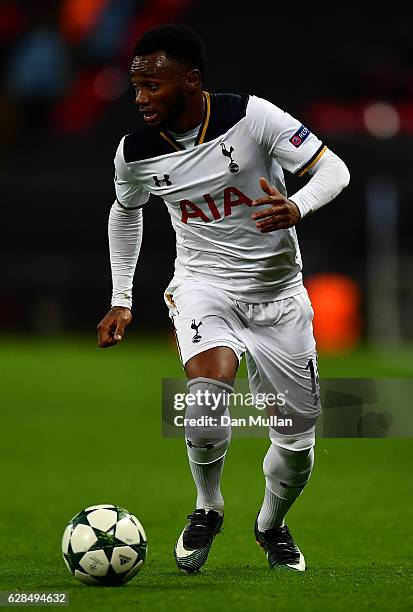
(233, 167)
(164, 180)
(194, 326)
(208, 445)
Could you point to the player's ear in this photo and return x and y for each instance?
(193, 80)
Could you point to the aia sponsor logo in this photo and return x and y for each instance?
(214, 209)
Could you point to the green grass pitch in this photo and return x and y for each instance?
(81, 426)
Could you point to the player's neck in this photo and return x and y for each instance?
(191, 117)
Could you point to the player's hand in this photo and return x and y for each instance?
(112, 326)
(282, 213)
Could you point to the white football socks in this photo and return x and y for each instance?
(273, 510)
(207, 478)
(286, 474)
(207, 445)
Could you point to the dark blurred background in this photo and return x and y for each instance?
(66, 101)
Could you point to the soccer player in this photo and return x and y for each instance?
(217, 161)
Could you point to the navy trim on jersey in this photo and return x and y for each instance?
(303, 169)
(171, 140)
(205, 119)
(144, 143)
(225, 111)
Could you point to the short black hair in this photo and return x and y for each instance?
(178, 41)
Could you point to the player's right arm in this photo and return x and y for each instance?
(125, 237)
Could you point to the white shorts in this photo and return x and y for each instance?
(277, 338)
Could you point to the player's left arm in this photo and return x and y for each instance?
(283, 138)
(330, 176)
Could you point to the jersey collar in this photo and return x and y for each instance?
(175, 145)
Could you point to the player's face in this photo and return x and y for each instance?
(159, 84)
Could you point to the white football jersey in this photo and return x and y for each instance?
(208, 190)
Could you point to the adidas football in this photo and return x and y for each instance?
(104, 545)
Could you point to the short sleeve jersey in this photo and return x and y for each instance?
(208, 190)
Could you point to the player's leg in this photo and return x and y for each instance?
(206, 447)
(212, 374)
(286, 473)
(281, 360)
(287, 470)
(210, 353)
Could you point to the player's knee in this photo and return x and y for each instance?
(210, 396)
(292, 463)
(287, 471)
(303, 439)
(217, 364)
(207, 420)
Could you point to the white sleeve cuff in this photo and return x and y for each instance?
(330, 177)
